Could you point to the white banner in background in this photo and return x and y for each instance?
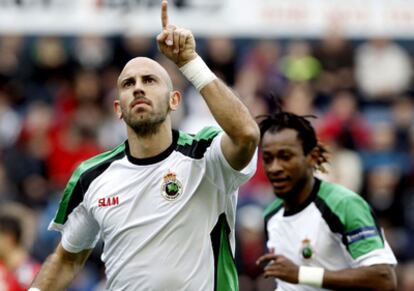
(238, 18)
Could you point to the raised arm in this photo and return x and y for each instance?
(241, 131)
(60, 269)
(376, 277)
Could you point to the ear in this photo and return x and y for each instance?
(313, 157)
(175, 100)
(117, 108)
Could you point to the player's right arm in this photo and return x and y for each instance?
(60, 269)
(376, 277)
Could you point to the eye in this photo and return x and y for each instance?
(285, 156)
(148, 80)
(267, 159)
(128, 83)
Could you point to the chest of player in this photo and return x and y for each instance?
(125, 199)
(306, 238)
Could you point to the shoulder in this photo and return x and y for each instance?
(90, 169)
(337, 197)
(206, 133)
(105, 157)
(273, 208)
(195, 145)
(343, 206)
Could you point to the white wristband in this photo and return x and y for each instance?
(312, 276)
(197, 72)
(33, 289)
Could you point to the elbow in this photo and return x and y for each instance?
(251, 135)
(387, 279)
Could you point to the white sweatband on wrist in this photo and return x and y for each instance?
(197, 72)
(33, 289)
(312, 276)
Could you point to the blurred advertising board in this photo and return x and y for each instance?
(238, 18)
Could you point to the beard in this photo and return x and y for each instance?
(146, 127)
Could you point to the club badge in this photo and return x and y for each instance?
(171, 188)
(306, 249)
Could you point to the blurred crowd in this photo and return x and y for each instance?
(56, 97)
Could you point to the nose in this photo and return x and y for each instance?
(139, 89)
(274, 167)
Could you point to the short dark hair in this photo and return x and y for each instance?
(280, 120)
(10, 224)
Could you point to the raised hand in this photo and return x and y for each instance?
(174, 42)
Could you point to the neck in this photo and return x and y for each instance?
(150, 146)
(300, 193)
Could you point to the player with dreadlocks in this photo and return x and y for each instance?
(319, 234)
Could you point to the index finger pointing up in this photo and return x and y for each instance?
(164, 13)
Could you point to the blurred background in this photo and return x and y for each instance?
(348, 62)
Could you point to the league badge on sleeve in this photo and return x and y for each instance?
(171, 187)
(306, 249)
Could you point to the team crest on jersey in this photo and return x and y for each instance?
(306, 250)
(171, 187)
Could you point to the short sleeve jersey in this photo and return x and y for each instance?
(167, 222)
(335, 229)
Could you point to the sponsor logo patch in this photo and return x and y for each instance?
(108, 201)
(361, 233)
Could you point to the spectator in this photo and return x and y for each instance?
(383, 70)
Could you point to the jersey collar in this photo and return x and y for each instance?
(155, 159)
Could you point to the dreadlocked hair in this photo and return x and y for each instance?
(282, 120)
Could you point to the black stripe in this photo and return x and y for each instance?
(85, 180)
(196, 149)
(333, 221)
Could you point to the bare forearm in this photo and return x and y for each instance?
(379, 277)
(230, 113)
(55, 275)
(59, 269)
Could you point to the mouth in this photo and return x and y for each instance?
(279, 182)
(140, 102)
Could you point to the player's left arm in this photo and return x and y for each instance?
(241, 131)
(376, 277)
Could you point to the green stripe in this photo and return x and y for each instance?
(84, 166)
(273, 206)
(206, 133)
(227, 279)
(354, 213)
(365, 246)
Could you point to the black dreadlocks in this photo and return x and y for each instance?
(282, 120)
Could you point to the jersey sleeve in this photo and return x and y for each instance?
(363, 236)
(80, 232)
(78, 227)
(222, 172)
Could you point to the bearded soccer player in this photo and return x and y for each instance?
(164, 201)
(320, 235)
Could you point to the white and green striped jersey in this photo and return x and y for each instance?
(335, 229)
(167, 222)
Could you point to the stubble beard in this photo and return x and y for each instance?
(146, 127)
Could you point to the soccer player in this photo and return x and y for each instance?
(320, 234)
(164, 201)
